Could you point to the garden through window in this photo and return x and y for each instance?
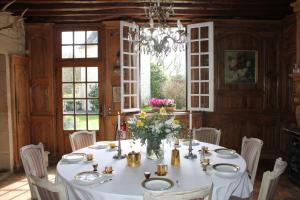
(80, 97)
(164, 79)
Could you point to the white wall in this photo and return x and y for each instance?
(11, 42)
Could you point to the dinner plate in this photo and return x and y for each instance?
(226, 153)
(87, 177)
(98, 146)
(226, 169)
(157, 184)
(73, 157)
(194, 143)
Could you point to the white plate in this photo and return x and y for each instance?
(226, 153)
(88, 177)
(194, 143)
(157, 184)
(98, 146)
(226, 169)
(73, 157)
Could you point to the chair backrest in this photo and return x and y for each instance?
(251, 149)
(48, 191)
(208, 135)
(197, 193)
(32, 157)
(270, 180)
(82, 139)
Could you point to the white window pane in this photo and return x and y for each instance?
(92, 90)
(68, 122)
(92, 51)
(93, 106)
(80, 91)
(67, 37)
(80, 122)
(93, 122)
(67, 90)
(67, 51)
(79, 37)
(79, 51)
(67, 74)
(68, 107)
(79, 74)
(92, 74)
(92, 37)
(80, 106)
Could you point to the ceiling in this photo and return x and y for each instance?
(83, 11)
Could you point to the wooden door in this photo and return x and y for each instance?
(20, 105)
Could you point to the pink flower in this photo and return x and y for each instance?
(154, 102)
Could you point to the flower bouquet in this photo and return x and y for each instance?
(152, 128)
(156, 104)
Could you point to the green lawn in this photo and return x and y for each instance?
(93, 122)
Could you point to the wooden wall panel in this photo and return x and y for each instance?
(288, 59)
(40, 44)
(250, 110)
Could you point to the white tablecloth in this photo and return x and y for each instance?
(126, 182)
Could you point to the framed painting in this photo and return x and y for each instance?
(240, 66)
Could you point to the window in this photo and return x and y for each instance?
(200, 70)
(163, 79)
(200, 67)
(80, 98)
(79, 80)
(79, 44)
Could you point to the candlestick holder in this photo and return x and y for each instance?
(190, 155)
(119, 155)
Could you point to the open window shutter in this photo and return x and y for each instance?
(200, 57)
(129, 57)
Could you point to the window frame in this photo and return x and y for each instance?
(210, 53)
(137, 69)
(78, 62)
(210, 67)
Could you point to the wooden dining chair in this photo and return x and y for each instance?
(32, 157)
(82, 139)
(208, 135)
(251, 149)
(46, 190)
(270, 180)
(201, 193)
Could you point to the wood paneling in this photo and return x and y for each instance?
(288, 59)
(250, 110)
(40, 44)
(19, 76)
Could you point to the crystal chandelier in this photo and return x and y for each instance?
(158, 38)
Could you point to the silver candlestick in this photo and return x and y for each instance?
(119, 155)
(190, 155)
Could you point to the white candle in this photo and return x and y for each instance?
(191, 119)
(119, 121)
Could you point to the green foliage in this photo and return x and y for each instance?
(158, 78)
(175, 88)
(153, 128)
(94, 92)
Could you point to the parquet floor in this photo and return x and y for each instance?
(15, 187)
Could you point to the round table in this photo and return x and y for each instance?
(126, 181)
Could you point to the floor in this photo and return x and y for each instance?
(15, 187)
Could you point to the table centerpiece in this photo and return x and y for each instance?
(168, 104)
(152, 128)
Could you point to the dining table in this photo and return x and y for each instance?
(126, 182)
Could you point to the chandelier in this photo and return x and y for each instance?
(158, 38)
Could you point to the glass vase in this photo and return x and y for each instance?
(155, 150)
